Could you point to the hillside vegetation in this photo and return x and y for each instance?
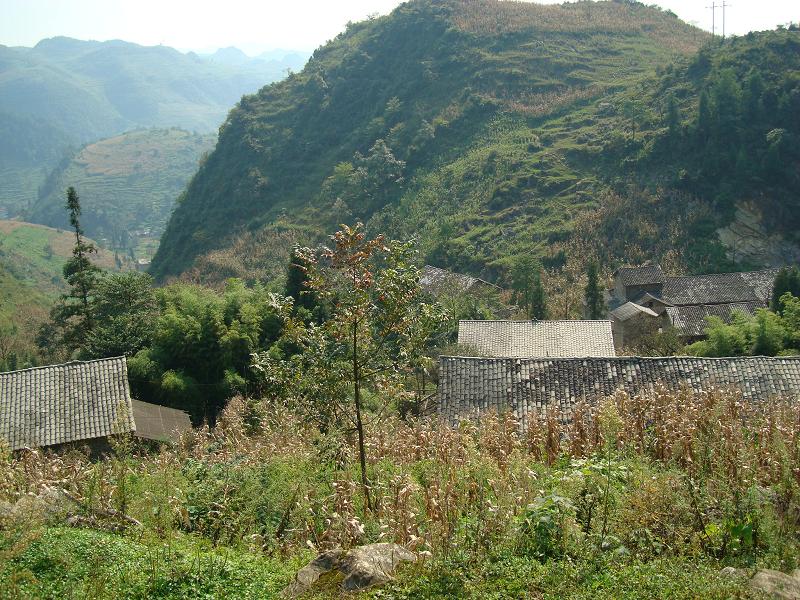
(64, 93)
(493, 130)
(128, 186)
(443, 103)
(31, 261)
(606, 507)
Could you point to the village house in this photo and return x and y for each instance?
(683, 302)
(435, 281)
(470, 386)
(77, 404)
(537, 338)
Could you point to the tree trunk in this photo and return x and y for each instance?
(362, 453)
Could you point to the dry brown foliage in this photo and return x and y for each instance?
(427, 477)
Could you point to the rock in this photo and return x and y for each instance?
(776, 584)
(50, 505)
(310, 574)
(363, 567)
(371, 565)
(733, 572)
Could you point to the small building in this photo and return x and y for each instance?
(631, 282)
(630, 321)
(79, 403)
(684, 302)
(691, 321)
(436, 281)
(469, 386)
(537, 338)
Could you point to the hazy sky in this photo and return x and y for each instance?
(256, 25)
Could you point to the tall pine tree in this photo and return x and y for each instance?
(71, 318)
(595, 305)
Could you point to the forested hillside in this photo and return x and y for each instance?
(31, 262)
(64, 93)
(128, 186)
(497, 129)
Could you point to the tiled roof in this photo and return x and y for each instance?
(645, 275)
(538, 338)
(720, 288)
(630, 310)
(160, 423)
(469, 385)
(691, 320)
(436, 281)
(76, 401)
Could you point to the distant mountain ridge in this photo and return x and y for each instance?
(64, 93)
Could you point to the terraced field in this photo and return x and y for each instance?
(31, 259)
(128, 185)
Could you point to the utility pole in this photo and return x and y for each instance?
(713, 8)
(723, 18)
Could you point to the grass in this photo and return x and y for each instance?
(639, 497)
(61, 562)
(31, 262)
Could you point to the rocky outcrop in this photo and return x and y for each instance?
(746, 239)
(362, 567)
(772, 583)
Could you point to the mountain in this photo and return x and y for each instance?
(31, 262)
(128, 186)
(449, 86)
(229, 56)
(65, 93)
(274, 63)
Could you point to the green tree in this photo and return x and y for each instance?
(703, 123)
(751, 98)
(378, 324)
(723, 339)
(673, 118)
(787, 280)
(374, 178)
(71, 319)
(305, 301)
(538, 297)
(124, 311)
(528, 291)
(768, 334)
(201, 346)
(595, 305)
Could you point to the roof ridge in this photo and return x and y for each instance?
(66, 364)
(619, 358)
(534, 321)
(723, 274)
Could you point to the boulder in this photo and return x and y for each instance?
(772, 583)
(362, 567)
(776, 584)
(50, 505)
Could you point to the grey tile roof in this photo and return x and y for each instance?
(691, 320)
(720, 288)
(630, 310)
(469, 385)
(161, 423)
(76, 401)
(436, 281)
(538, 338)
(644, 275)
